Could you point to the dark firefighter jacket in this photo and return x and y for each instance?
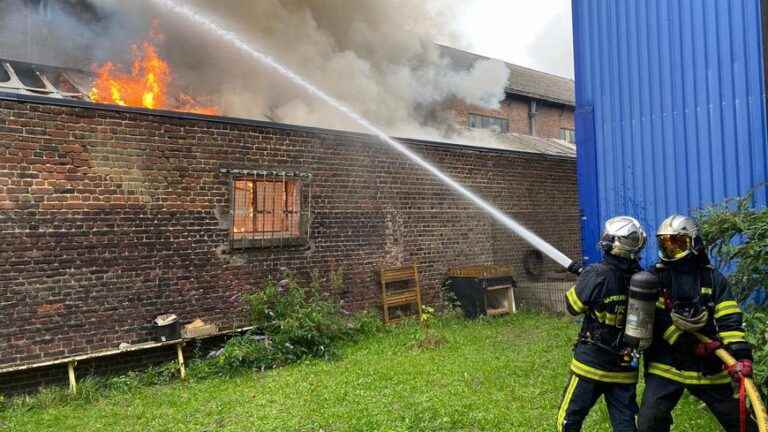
(601, 295)
(672, 353)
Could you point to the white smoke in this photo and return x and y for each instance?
(378, 57)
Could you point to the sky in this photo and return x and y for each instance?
(533, 33)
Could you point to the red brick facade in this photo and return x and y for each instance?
(109, 218)
(550, 117)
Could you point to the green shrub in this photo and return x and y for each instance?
(737, 234)
(297, 322)
(239, 353)
(756, 325)
(450, 302)
(300, 323)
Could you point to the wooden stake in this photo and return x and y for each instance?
(512, 299)
(180, 354)
(72, 379)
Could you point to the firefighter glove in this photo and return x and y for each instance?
(740, 369)
(690, 325)
(575, 267)
(705, 349)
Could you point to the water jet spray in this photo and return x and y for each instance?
(265, 59)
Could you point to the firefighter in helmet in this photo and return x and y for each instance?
(602, 364)
(693, 298)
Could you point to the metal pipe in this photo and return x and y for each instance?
(72, 378)
(284, 218)
(532, 117)
(273, 211)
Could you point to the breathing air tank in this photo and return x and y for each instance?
(643, 294)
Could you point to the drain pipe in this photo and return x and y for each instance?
(532, 117)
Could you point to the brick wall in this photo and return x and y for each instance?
(550, 118)
(109, 218)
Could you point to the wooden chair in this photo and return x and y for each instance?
(392, 298)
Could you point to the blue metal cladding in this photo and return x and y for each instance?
(671, 109)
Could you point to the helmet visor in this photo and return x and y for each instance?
(633, 241)
(674, 246)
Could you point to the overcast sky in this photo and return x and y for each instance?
(532, 33)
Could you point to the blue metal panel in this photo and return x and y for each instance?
(671, 108)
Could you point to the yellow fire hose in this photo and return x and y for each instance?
(754, 395)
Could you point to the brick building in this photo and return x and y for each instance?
(537, 104)
(111, 216)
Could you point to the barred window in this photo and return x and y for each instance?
(268, 211)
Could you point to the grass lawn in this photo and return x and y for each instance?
(503, 374)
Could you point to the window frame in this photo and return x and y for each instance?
(303, 183)
(564, 134)
(485, 120)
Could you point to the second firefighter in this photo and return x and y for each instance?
(602, 365)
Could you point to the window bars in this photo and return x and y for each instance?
(269, 208)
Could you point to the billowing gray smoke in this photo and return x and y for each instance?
(55, 33)
(376, 56)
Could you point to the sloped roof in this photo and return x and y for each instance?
(527, 143)
(522, 80)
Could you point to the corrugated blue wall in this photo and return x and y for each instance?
(671, 108)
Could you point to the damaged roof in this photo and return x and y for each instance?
(522, 80)
(41, 80)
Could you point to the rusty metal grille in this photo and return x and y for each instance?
(266, 208)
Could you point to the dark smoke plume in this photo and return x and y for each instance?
(376, 56)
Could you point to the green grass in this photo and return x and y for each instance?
(502, 374)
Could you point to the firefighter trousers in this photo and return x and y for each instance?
(581, 395)
(662, 394)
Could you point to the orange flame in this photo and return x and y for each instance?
(145, 86)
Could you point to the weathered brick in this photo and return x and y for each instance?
(104, 233)
(550, 117)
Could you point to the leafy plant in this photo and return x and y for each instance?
(737, 234)
(239, 353)
(426, 316)
(756, 326)
(428, 338)
(450, 301)
(297, 323)
(158, 375)
(300, 323)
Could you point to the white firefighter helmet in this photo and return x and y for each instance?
(623, 236)
(678, 237)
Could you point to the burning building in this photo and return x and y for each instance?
(113, 213)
